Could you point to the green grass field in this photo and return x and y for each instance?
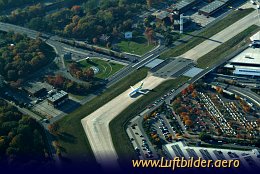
(118, 125)
(75, 143)
(137, 46)
(227, 48)
(209, 32)
(106, 68)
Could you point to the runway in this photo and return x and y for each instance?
(96, 125)
(221, 37)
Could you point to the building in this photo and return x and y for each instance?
(247, 63)
(248, 159)
(67, 56)
(213, 7)
(161, 15)
(35, 89)
(58, 98)
(104, 38)
(183, 6)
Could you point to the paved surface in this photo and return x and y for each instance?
(175, 68)
(221, 37)
(96, 125)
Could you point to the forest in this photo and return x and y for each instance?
(21, 56)
(5, 4)
(86, 21)
(22, 139)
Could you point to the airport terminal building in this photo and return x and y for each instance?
(248, 159)
(246, 63)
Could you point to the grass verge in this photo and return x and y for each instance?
(227, 48)
(106, 69)
(137, 46)
(118, 125)
(209, 32)
(75, 143)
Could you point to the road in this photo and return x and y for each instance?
(247, 93)
(96, 125)
(221, 37)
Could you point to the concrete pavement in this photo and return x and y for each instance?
(221, 37)
(96, 125)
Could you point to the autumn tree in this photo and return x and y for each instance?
(149, 3)
(188, 123)
(54, 128)
(88, 73)
(149, 33)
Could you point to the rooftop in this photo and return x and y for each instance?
(161, 14)
(193, 72)
(57, 96)
(184, 3)
(249, 158)
(154, 63)
(211, 7)
(248, 56)
(255, 36)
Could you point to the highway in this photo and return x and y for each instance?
(96, 125)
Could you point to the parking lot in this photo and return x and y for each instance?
(215, 112)
(140, 141)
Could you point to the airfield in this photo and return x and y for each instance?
(96, 125)
(221, 37)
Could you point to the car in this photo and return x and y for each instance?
(45, 120)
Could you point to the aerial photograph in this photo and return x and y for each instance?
(129, 86)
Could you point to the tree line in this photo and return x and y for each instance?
(21, 138)
(86, 21)
(21, 56)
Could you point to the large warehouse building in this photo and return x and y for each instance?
(248, 159)
(184, 5)
(213, 7)
(246, 63)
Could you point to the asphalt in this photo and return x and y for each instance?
(96, 125)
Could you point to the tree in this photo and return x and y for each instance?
(58, 81)
(204, 136)
(54, 128)
(194, 94)
(219, 90)
(149, 34)
(94, 40)
(149, 3)
(89, 73)
(188, 123)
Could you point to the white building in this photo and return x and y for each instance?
(246, 63)
(249, 159)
